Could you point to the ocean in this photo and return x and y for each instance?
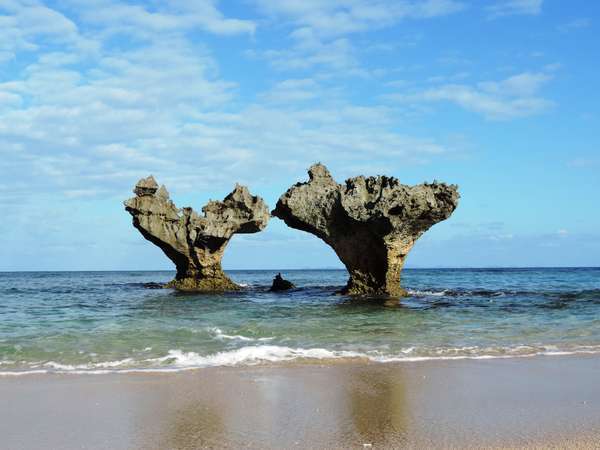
(103, 322)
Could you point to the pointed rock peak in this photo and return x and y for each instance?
(146, 186)
(240, 189)
(239, 194)
(163, 193)
(148, 182)
(318, 171)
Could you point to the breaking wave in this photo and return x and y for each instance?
(178, 360)
(218, 334)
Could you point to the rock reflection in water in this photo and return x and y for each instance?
(378, 406)
(340, 407)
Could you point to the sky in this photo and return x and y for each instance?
(500, 97)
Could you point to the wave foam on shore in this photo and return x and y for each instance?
(178, 360)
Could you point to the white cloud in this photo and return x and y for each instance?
(515, 7)
(500, 237)
(78, 122)
(85, 120)
(520, 85)
(320, 29)
(553, 67)
(515, 96)
(338, 17)
(447, 78)
(292, 91)
(575, 24)
(308, 51)
(584, 163)
(9, 99)
(36, 19)
(22, 23)
(175, 15)
(31, 26)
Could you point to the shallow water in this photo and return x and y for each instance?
(112, 321)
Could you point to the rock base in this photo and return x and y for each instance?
(363, 289)
(203, 285)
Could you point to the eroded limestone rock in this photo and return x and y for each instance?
(195, 243)
(370, 222)
(281, 284)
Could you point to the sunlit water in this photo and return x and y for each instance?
(111, 321)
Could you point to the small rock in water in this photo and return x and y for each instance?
(280, 284)
(153, 285)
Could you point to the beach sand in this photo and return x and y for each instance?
(541, 402)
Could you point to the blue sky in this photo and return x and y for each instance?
(499, 97)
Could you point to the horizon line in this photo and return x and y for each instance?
(306, 269)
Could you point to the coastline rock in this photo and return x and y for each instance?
(281, 284)
(370, 222)
(195, 243)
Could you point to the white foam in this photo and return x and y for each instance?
(218, 333)
(88, 366)
(417, 293)
(178, 360)
(26, 372)
(254, 355)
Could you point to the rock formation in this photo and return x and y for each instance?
(371, 223)
(281, 284)
(195, 243)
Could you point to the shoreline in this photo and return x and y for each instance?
(534, 402)
(294, 362)
(296, 358)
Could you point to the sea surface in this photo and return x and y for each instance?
(97, 322)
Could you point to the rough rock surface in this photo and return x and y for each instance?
(195, 243)
(370, 222)
(281, 284)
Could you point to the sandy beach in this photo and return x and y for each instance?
(543, 402)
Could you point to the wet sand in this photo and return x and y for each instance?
(543, 402)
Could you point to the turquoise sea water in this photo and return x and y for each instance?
(112, 321)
